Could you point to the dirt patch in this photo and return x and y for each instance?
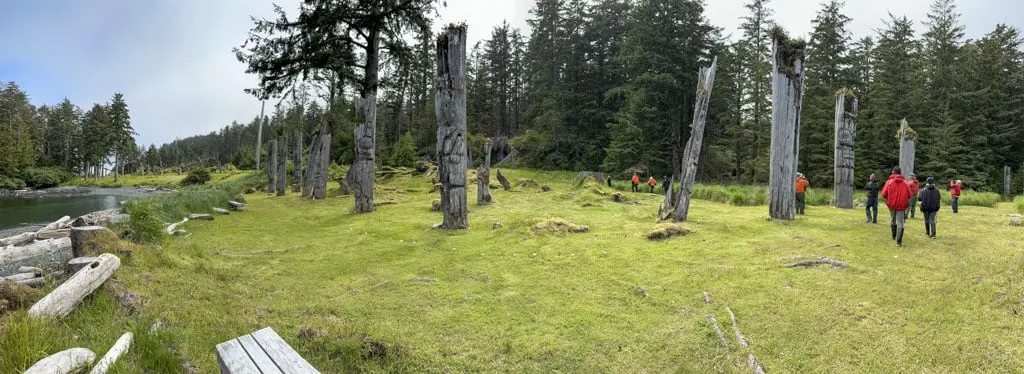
(667, 230)
(131, 303)
(559, 226)
(371, 349)
(307, 333)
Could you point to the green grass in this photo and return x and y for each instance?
(513, 299)
(166, 180)
(1018, 202)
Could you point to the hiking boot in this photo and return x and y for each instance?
(899, 239)
(893, 228)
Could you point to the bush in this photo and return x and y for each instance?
(404, 154)
(8, 183)
(45, 177)
(197, 176)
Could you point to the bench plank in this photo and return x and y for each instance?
(232, 359)
(258, 356)
(283, 355)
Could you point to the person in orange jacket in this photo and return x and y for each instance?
(636, 182)
(801, 193)
(896, 194)
(651, 182)
(915, 189)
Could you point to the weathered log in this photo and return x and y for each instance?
(62, 300)
(751, 360)
(236, 206)
(787, 99)
(49, 255)
(220, 211)
(198, 216)
(272, 166)
(108, 360)
(58, 224)
(30, 269)
(718, 331)
(310, 170)
(705, 82)
(707, 298)
(908, 148)
(174, 226)
(297, 163)
(483, 177)
(21, 276)
(64, 362)
(504, 182)
(53, 234)
(845, 133)
(100, 218)
(364, 168)
(77, 263)
(20, 239)
(450, 107)
(282, 166)
(820, 261)
(91, 240)
(36, 282)
(323, 165)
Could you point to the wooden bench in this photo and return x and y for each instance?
(262, 352)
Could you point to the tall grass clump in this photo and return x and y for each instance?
(21, 340)
(971, 198)
(1018, 202)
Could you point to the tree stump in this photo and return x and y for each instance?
(483, 177)
(787, 99)
(62, 300)
(705, 82)
(91, 240)
(845, 132)
(450, 107)
(77, 263)
(272, 166)
(282, 165)
(908, 147)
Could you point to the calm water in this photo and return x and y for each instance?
(17, 212)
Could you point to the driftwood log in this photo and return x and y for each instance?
(751, 360)
(199, 216)
(69, 361)
(236, 206)
(62, 300)
(53, 234)
(221, 211)
(787, 99)
(483, 177)
(100, 218)
(718, 331)
(50, 255)
(172, 227)
(30, 269)
(706, 81)
(450, 107)
(58, 224)
(90, 240)
(115, 352)
(504, 182)
(20, 239)
(77, 263)
(845, 132)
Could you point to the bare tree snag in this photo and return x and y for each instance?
(115, 352)
(908, 147)
(297, 163)
(450, 107)
(68, 361)
(691, 156)
(62, 300)
(483, 177)
(90, 240)
(323, 163)
(272, 166)
(282, 165)
(820, 261)
(845, 133)
(787, 99)
(49, 254)
(751, 360)
(310, 170)
(504, 182)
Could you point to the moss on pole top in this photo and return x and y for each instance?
(907, 133)
(788, 51)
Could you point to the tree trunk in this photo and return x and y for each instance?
(787, 98)
(310, 170)
(845, 133)
(691, 155)
(364, 167)
(68, 361)
(908, 147)
(62, 300)
(259, 135)
(282, 165)
(271, 166)
(1006, 182)
(297, 163)
(483, 177)
(46, 254)
(117, 161)
(450, 107)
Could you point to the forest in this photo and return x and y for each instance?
(609, 85)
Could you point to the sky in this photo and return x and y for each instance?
(172, 59)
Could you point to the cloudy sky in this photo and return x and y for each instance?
(172, 58)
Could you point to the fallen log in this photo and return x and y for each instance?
(718, 331)
(30, 269)
(236, 205)
(77, 263)
(36, 282)
(20, 239)
(751, 360)
(205, 217)
(62, 300)
(171, 228)
(100, 218)
(68, 361)
(820, 261)
(91, 240)
(49, 255)
(58, 224)
(504, 181)
(53, 234)
(221, 211)
(707, 298)
(108, 360)
(21, 276)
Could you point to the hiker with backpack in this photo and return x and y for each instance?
(871, 206)
(896, 193)
(636, 182)
(930, 201)
(651, 182)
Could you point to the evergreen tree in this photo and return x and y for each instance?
(120, 131)
(754, 51)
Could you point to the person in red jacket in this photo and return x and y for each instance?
(915, 189)
(897, 195)
(954, 191)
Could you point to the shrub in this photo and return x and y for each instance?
(8, 183)
(197, 176)
(404, 154)
(144, 224)
(45, 177)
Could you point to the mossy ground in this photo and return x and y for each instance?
(383, 292)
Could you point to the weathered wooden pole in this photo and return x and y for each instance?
(1006, 182)
(323, 164)
(845, 133)
(282, 165)
(272, 166)
(450, 107)
(483, 177)
(259, 135)
(787, 99)
(691, 155)
(297, 162)
(364, 169)
(310, 171)
(908, 145)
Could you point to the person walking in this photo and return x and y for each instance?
(609, 180)
(871, 207)
(636, 182)
(896, 193)
(651, 182)
(915, 189)
(801, 193)
(954, 192)
(930, 201)
(666, 185)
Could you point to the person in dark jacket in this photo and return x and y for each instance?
(896, 193)
(871, 207)
(930, 201)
